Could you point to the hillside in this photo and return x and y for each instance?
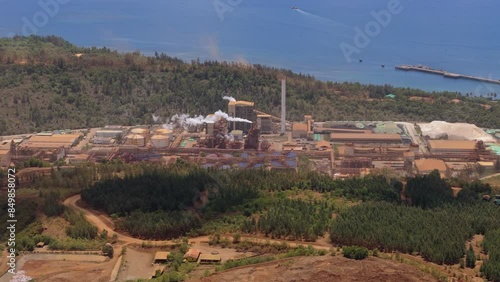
(43, 85)
(326, 268)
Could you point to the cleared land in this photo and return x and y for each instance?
(325, 268)
(62, 268)
(137, 265)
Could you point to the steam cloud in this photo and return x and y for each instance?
(185, 120)
(229, 98)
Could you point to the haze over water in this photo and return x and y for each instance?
(459, 36)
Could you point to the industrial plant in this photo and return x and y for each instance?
(248, 138)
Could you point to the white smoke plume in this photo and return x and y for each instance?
(229, 98)
(185, 120)
(156, 118)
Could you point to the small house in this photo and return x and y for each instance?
(192, 255)
(161, 257)
(209, 258)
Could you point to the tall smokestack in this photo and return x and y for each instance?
(283, 105)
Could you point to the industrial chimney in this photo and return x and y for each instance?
(283, 105)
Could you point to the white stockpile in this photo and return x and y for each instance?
(455, 131)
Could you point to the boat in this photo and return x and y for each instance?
(294, 8)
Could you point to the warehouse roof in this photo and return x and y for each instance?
(161, 255)
(452, 144)
(323, 144)
(211, 257)
(192, 253)
(45, 145)
(430, 164)
(299, 126)
(56, 138)
(372, 136)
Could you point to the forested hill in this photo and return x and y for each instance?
(43, 85)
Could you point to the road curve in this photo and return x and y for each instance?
(103, 222)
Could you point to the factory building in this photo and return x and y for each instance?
(241, 109)
(264, 124)
(108, 133)
(373, 138)
(54, 141)
(426, 166)
(5, 157)
(452, 146)
(299, 130)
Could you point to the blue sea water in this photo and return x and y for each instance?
(461, 36)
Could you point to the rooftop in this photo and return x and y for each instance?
(209, 257)
(193, 253)
(367, 136)
(56, 138)
(452, 144)
(299, 126)
(424, 165)
(161, 255)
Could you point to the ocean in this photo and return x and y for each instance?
(324, 38)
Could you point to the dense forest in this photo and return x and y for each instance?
(438, 234)
(144, 202)
(43, 85)
(292, 219)
(491, 244)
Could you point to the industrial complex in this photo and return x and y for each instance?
(247, 138)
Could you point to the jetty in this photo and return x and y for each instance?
(447, 74)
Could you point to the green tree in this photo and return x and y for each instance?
(470, 258)
(108, 250)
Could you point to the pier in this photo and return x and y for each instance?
(446, 74)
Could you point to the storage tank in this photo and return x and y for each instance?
(136, 139)
(164, 131)
(159, 141)
(139, 131)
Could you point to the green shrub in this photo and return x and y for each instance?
(355, 252)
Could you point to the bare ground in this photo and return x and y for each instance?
(67, 271)
(325, 268)
(137, 264)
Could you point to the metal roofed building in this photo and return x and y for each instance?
(192, 255)
(299, 130)
(161, 257)
(209, 258)
(375, 138)
(426, 166)
(108, 133)
(241, 109)
(265, 124)
(452, 146)
(51, 142)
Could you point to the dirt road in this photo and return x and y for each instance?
(104, 222)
